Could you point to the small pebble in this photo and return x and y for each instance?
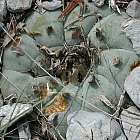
(18, 5)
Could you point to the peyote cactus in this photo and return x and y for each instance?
(15, 57)
(111, 32)
(46, 29)
(77, 64)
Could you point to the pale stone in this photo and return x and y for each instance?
(133, 9)
(84, 125)
(132, 29)
(2, 9)
(50, 5)
(12, 113)
(18, 5)
(131, 127)
(132, 86)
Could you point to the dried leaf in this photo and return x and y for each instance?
(59, 105)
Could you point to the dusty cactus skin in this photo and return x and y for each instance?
(101, 87)
(46, 28)
(37, 71)
(91, 16)
(110, 28)
(20, 80)
(15, 58)
(73, 22)
(24, 83)
(119, 71)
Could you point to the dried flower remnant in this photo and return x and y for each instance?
(42, 91)
(116, 61)
(50, 30)
(16, 46)
(77, 34)
(17, 42)
(99, 34)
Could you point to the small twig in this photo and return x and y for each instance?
(92, 136)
